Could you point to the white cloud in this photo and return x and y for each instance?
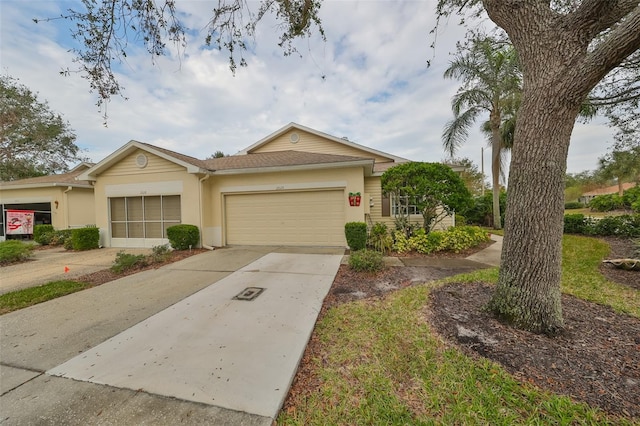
(368, 82)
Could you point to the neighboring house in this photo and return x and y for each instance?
(60, 200)
(588, 196)
(290, 188)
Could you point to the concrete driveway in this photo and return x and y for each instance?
(167, 346)
(49, 265)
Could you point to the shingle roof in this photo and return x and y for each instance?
(186, 158)
(277, 159)
(50, 180)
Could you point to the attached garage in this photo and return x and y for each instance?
(307, 218)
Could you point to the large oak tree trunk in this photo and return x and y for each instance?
(558, 73)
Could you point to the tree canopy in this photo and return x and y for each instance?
(34, 140)
(433, 188)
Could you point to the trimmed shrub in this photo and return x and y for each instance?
(356, 234)
(426, 243)
(85, 238)
(460, 220)
(366, 261)
(379, 238)
(42, 234)
(574, 223)
(14, 251)
(61, 237)
(573, 205)
(606, 203)
(125, 261)
(183, 237)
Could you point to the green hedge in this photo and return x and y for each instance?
(85, 238)
(366, 261)
(183, 237)
(572, 205)
(42, 234)
(624, 226)
(14, 251)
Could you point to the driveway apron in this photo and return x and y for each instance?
(213, 349)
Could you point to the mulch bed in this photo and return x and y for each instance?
(106, 275)
(596, 360)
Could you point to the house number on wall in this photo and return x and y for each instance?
(143, 192)
(279, 188)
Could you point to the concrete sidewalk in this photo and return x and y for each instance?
(152, 349)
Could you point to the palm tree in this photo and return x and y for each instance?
(491, 83)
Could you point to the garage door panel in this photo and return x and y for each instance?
(292, 218)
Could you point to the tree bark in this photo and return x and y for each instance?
(558, 73)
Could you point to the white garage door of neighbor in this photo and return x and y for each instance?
(314, 218)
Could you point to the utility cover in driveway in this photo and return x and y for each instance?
(210, 349)
(249, 293)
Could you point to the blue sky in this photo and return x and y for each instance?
(377, 89)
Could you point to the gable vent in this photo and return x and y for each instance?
(141, 161)
(294, 137)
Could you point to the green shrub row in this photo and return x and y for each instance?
(625, 226)
(15, 251)
(572, 205)
(72, 239)
(455, 239)
(630, 200)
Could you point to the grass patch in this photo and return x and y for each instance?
(381, 364)
(588, 212)
(19, 299)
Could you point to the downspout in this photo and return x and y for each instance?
(65, 199)
(202, 214)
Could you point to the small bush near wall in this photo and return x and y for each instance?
(183, 237)
(125, 261)
(42, 234)
(85, 238)
(356, 234)
(366, 261)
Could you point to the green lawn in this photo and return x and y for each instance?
(381, 364)
(30, 296)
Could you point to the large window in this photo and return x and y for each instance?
(400, 206)
(144, 217)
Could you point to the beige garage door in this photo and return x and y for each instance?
(286, 218)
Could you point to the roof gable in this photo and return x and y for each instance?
(300, 138)
(191, 164)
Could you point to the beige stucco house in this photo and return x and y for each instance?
(290, 188)
(60, 200)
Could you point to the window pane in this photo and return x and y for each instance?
(136, 230)
(152, 208)
(117, 209)
(171, 207)
(119, 230)
(153, 230)
(134, 208)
